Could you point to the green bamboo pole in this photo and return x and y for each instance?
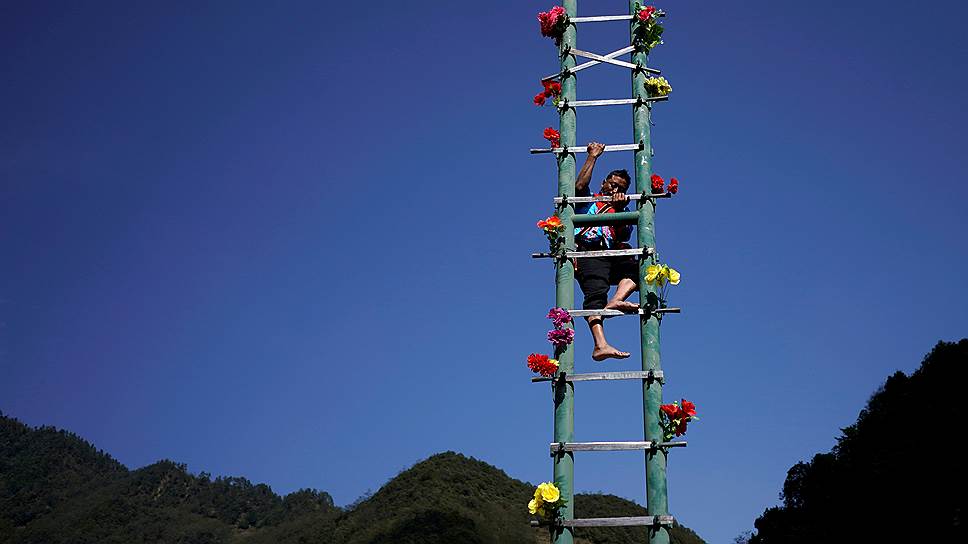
(655, 461)
(564, 464)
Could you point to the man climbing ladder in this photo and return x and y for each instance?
(596, 274)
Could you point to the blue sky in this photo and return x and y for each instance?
(291, 242)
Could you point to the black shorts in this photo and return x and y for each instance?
(596, 274)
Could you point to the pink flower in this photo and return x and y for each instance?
(561, 337)
(551, 22)
(559, 316)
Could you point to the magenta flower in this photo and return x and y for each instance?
(561, 337)
(559, 317)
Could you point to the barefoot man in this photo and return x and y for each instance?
(596, 274)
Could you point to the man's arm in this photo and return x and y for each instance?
(595, 150)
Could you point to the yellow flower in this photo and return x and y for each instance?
(652, 272)
(534, 506)
(658, 86)
(537, 495)
(550, 493)
(674, 276)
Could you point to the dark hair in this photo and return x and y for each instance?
(622, 174)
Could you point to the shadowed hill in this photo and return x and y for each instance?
(894, 474)
(56, 488)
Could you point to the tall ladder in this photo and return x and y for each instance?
(564, 447)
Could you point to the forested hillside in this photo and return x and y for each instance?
(55, 488)
(895, 474)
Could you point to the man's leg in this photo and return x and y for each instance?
(593, 277)
(624, 290)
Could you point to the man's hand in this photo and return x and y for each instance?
(595, 149)
(620, 200)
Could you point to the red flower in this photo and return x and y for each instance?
(539, 99)
(681, 427)
(553, 136)
(670, 410)
(646, 13)
(551, 88)
(542, 365)
(550, 21)
(657, 183)
(688, 408)
(674, 188)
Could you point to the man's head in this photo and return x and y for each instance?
(617, 181)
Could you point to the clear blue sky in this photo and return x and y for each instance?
(291, 242)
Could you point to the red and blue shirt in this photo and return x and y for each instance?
(604, 236)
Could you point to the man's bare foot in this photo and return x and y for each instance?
(608, 352)
(622, 305)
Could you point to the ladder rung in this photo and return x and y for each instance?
(557, 447)
(635, 521)
(604, 18)
(656, 375)
(617, 313)
(611, 102)
(583, 149)
(599, 253)
(590, 199)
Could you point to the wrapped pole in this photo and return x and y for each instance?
(564, 391)
(655, 460)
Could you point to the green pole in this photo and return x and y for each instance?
(564, 464)
(655, 460)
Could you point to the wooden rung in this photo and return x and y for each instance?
(656, 375)
(599, 18)
(611, 102)
(617, 313)
(636, 521)
(557, 447)
(600, 253)
(590, 199)
(605, 18)
(584, 149)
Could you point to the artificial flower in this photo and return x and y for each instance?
(553, 136)
(551, 88)
(542, 365)
(674, 276)
(674, 186)
(646, 13)
(547, 501)
(652, 273)
(553, 22)
(674, 418)
(559, 316)
(551, 223)
(549, 493)
(657, 183)
(539, 99)
(534, 506)
(648, 30)
(658, 86)
(561, 337)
